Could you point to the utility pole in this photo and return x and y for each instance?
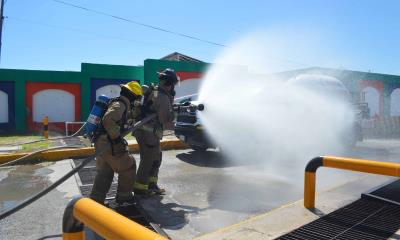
(1, 24)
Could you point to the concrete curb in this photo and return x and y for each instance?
(56, 155)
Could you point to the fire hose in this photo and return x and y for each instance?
(176, 107)
(69, 174)
(35, 153)
(49, 139)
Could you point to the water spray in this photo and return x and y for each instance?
(259, 118)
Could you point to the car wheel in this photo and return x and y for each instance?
(200, 149)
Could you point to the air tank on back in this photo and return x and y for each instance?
(96, 114)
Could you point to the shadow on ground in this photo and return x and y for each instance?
(213, 159)
(167, 215)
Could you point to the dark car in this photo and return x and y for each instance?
(188, 127)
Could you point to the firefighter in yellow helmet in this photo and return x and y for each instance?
(157, 99)
(112, 148)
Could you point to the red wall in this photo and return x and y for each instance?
(378, 85)
(189, 75)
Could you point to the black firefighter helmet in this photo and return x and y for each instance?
(169, 76)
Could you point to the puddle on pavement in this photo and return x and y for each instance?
(18, 183)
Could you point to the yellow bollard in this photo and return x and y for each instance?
(102, 220)
(359, 165)
(309, 190)
(46, 127)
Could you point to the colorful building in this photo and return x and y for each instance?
(27, 96)
(380, 91)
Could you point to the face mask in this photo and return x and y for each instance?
(173, 93)
(138, 102)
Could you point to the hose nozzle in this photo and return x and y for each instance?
(188, 106)
(200, 107)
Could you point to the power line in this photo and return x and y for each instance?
(140, 23)
(89, 32)
(288, 61)
(1, 22)
(96, 34)
(276, 59)
(168, 31)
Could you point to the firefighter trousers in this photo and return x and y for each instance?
(106, 164)
(150, 159)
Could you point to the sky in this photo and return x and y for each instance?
(359, 35)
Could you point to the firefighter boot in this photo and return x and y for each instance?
(156, 189)
(125, 199)
(143, 193)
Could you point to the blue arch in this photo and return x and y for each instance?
(9, 88)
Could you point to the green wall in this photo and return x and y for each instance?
(88, 71)
(147, 74)
(152, 66)
(20, 77)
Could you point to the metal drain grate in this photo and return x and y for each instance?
(87, 175)
(87, 189)
(362, 219)
(90, 164)
(390, 192)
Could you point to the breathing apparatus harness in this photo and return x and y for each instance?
(100, 128)
(149, 96)
(147, 102)
(96, 127)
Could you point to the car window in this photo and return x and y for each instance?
(188, 98)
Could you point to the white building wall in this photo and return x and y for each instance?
(188, 87)
(58, 105)
(110, 91)
(372, 98)
(395, 102)
(3, 107)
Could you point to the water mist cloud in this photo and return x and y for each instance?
(264, 119)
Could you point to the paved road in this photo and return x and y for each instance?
(205, 191)
(43, 217)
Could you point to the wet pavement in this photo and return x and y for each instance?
(43, 217)
(20, 182)
(205, 191)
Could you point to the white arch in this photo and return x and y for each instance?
(58, 105)
(395, 102)
(372, 98)
(188, 87)
(110, 91)
(3, 107)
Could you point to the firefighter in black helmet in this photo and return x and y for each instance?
(157, 99)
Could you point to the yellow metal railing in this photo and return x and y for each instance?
(359, 165)
(102, 220)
